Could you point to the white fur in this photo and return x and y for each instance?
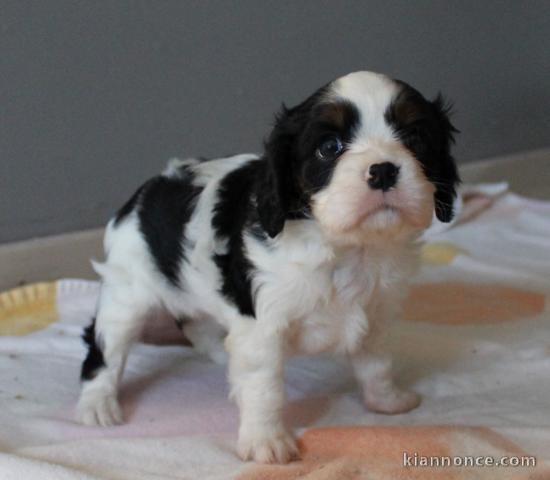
(327, 284)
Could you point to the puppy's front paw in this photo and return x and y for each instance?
(277, 446)
(392, 402)
(99, 410)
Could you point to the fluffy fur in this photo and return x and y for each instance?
(304, 249)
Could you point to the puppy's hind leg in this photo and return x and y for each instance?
(372, 365)
(373, 370)
(207, 338)
(117, 326)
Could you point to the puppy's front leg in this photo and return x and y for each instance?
(372, 365)
(256, 376)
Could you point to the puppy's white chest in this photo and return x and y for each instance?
(338, 322)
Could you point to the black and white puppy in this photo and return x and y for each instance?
(304, 249)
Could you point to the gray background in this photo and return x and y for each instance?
(96, 95)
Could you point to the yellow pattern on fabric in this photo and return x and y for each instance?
(27, 309)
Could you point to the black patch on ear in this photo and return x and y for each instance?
(425, 129)
(447, 175)
(278, 193)
(165, 207)
(94, 359)
(233, 214)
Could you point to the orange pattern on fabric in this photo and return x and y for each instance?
(455, 303)
(376, 453)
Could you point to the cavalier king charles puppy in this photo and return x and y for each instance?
(305, 249)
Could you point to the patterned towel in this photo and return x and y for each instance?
(475, 342)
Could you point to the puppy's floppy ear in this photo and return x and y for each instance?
(446, 176)
(276, 187)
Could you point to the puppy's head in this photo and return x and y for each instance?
(368, 157)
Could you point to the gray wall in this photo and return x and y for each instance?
(96, 95)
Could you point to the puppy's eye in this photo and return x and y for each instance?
(330, 147)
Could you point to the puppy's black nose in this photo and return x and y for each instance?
(383, 176)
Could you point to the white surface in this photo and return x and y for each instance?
(181, 425)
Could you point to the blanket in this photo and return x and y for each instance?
(474, 341)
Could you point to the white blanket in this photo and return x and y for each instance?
(475, 342)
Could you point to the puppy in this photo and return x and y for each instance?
(304, 249)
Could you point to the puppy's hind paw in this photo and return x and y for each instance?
(392, 402)
(101, 410)
(277, 447)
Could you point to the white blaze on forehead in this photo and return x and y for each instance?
(372, 94)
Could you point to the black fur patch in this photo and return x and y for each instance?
(165, 207)
(340, 119)
(277, 193)
(233, 214)
(425, 129)
(129, 206)
(293, 172)
(94, 359)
